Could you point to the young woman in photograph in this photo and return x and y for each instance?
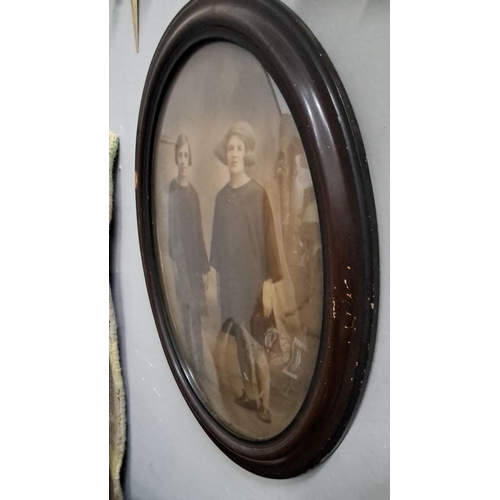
(244, 252)
(188, 252)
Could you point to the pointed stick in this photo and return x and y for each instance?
(136, 26)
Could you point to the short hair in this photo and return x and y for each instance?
(245, 132)
(181, 140)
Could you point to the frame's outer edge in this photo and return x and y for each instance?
(275, 35)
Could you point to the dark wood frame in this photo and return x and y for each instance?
(328, 129)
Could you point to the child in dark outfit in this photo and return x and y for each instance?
(187, 250)
(245, 254)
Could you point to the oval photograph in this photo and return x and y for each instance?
(238, 241)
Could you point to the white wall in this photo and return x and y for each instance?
(168, 454)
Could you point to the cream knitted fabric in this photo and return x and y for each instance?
(117, 422)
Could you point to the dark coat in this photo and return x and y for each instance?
(244, 249)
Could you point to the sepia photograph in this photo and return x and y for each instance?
(238, 241)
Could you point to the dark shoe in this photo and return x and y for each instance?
(246, 402)
(264, 414)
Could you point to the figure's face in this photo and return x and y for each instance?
(235, 154)
(182, 160)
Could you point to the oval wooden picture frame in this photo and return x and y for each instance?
(316, 98)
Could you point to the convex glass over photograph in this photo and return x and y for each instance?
(238, 241)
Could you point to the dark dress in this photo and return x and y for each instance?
(187, 249)
(186, 244)
(244, 249)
